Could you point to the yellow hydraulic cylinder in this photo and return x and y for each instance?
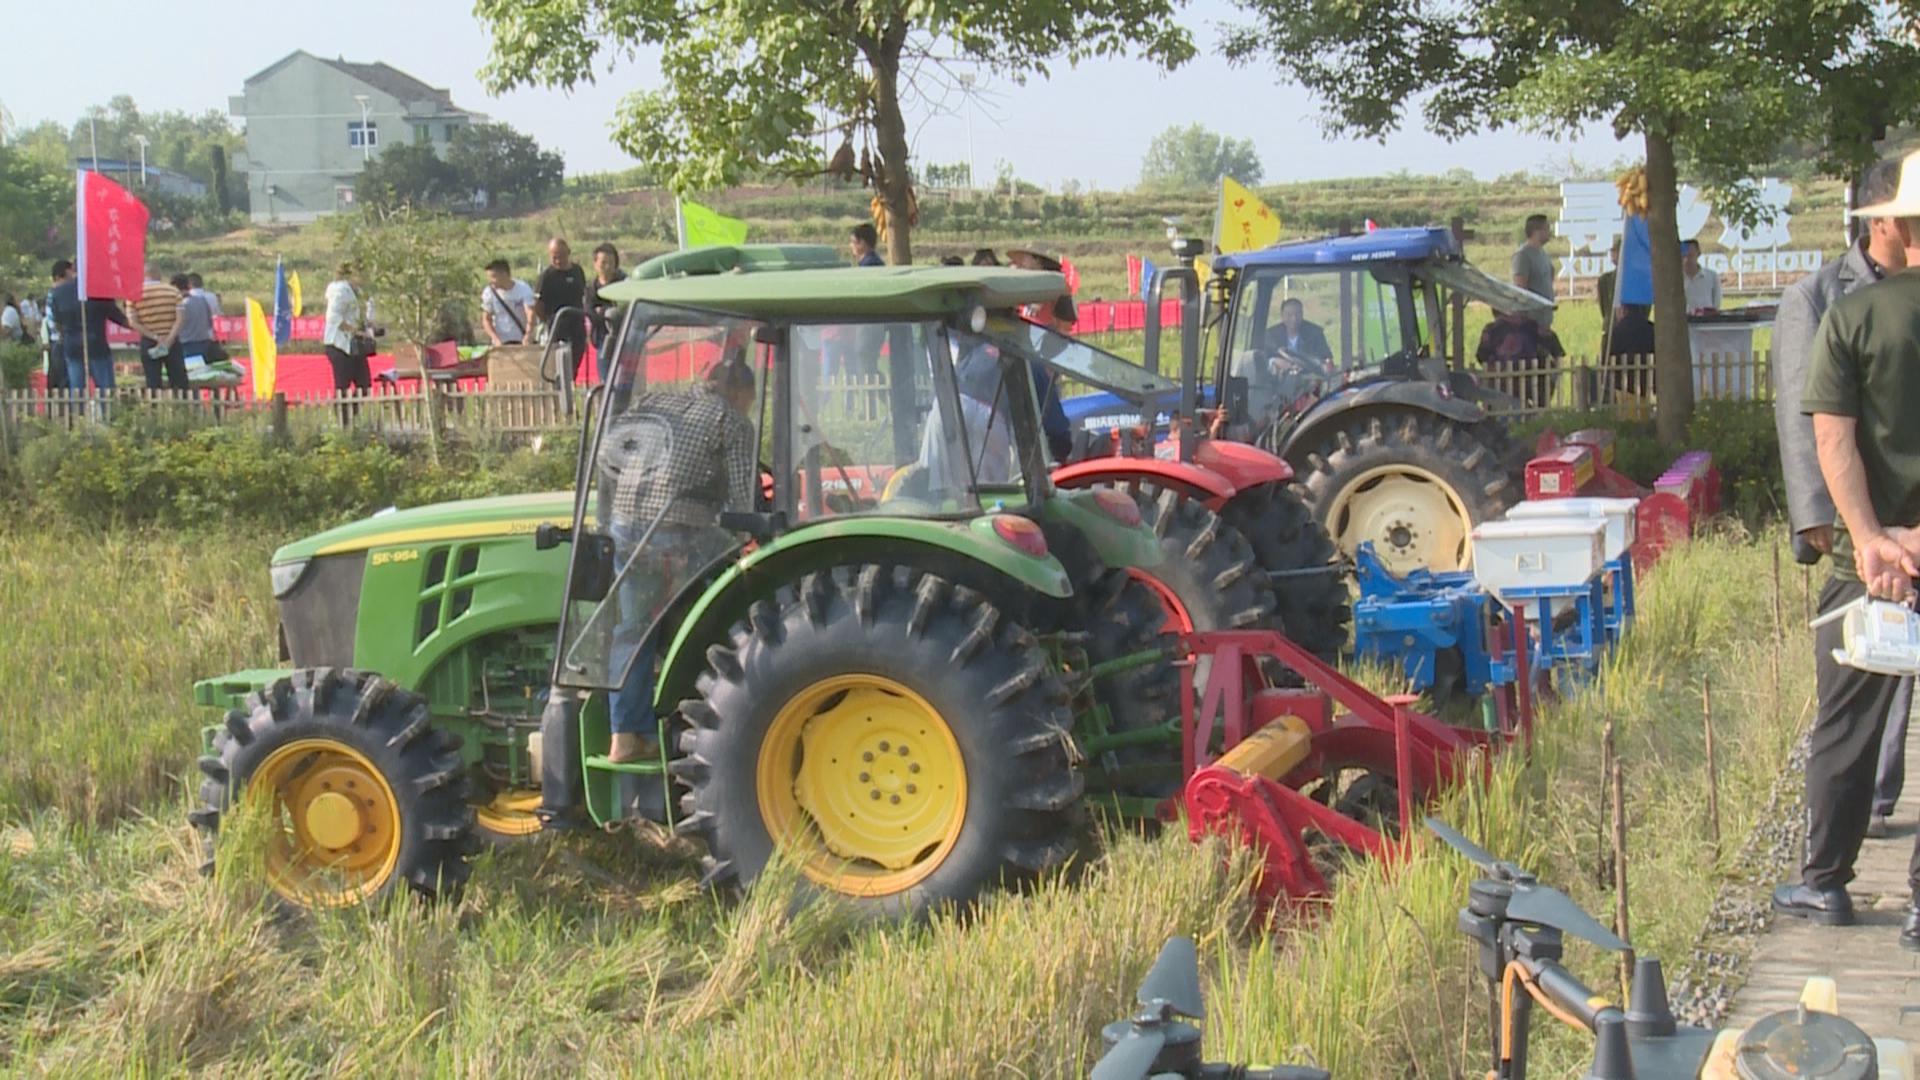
(1273, 751)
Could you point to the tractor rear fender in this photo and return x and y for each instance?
(968, 553)
(1119, 543)
(1210, 486)
(1243, 465)
(1383, 397)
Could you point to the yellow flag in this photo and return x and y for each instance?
(293, 293)
(701, 227)
(1244, 223)
(261, 349)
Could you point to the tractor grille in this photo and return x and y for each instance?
(319, 615)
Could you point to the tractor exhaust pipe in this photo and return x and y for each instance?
(561, 782)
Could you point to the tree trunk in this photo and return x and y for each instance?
(1673, 351)
(890, 131)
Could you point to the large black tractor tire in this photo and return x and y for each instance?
(843, 720)
(1412, 483)
(1207, 567)
(1302, 562)
(365, 796)
(1121, 617)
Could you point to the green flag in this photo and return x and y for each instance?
(701, 227)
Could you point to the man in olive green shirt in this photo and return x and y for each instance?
(1863, 392)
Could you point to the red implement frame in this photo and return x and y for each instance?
(1270, 813)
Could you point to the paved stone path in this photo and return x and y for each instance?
(1879, 981)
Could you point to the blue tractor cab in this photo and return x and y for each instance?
(1330, 353)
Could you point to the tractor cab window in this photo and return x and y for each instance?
(1297, 331)
(875, 427)
(673, 446)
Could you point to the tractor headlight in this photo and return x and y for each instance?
(285, 576)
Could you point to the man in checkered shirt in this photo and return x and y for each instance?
(678, 456)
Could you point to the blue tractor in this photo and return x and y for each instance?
(1330, 353)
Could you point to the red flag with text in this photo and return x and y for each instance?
(112, 239)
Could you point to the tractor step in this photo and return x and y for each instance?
(650, 767)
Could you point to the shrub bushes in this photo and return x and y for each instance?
(229, 477)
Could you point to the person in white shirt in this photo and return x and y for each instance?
(349, 365)
(506, 305)
(1703, 285)
(10, 322)
(29, 318)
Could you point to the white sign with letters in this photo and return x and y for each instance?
(1591, 220)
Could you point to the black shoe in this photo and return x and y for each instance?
(1878, 827)
(1910, 930)
(1828, 907)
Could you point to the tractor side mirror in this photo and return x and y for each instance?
(547, 536)
(593, 567)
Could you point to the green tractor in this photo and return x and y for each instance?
(897, 652)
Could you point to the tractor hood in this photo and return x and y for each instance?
(467, 519)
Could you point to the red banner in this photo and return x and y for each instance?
(113, 239)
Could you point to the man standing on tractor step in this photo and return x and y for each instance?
(1533, 267)
(677, 456)
(1809, 507)
(1863, 390)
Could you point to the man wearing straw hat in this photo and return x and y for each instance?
(1878, 253)
(1862, 390)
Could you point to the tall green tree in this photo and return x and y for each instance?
(420, 267)
(747, 82)
(1191, 156)
(405, 173)
(1716, 87)
(509, 165)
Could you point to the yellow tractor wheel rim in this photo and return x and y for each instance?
(863, 780)
(1413, 517)
(510, 813)
(336, 823)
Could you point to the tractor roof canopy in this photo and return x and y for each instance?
(1391, 245)
(743, 281)
(1429, 252)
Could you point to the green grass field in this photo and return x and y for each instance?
(598, 955)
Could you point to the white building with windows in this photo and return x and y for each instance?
(312, 124)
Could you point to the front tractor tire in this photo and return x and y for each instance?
(1208, 577)
(363, 796)
(905, 743)
(1414, 484)
(1310, 587)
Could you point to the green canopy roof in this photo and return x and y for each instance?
(739, 281)
(745, 257)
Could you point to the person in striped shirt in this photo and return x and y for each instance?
(156, 316)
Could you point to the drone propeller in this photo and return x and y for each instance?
(1132, 1057)
(1545, 905)
(1532, 902)
(1475, 854)
(1175, 979)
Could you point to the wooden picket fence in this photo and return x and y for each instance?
(1626, 383)
(425, 413)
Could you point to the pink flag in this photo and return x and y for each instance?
(113, 239)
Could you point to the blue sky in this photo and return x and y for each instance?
(1090, 124)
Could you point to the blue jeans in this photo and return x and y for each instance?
(100, 365)
(635, 645)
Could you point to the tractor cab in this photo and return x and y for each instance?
(1303, 320)
(844, 393)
